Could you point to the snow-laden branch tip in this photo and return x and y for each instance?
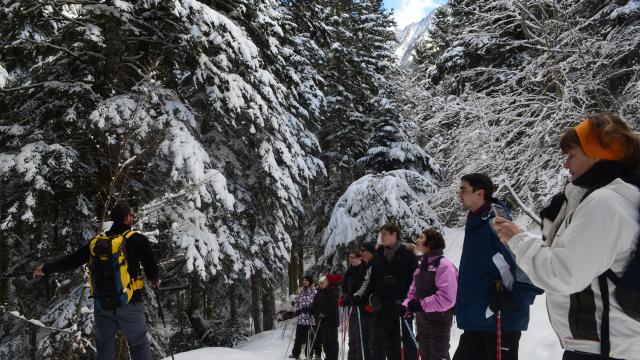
(35, 322)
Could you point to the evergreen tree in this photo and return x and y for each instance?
(400, 176)
(184, 108)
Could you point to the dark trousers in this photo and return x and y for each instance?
(387, 322)
(481, 345)
(304, 336)
(328, 337)
(434, 332)
(570, 355)
(371, 334)
(129, 318)
(356, 338)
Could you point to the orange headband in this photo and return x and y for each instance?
(591, 145)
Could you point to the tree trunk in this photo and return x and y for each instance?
(293, 270)
(255, 303)
(300, 263)
(113, 51)
(4, 253)
(194, 311)
(268, 307)
(33, 332)
(233, 306)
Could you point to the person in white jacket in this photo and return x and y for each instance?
(591, 228)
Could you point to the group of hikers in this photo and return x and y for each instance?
(586, 261)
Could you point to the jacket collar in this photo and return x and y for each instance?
(118, 228)
(433, 253)
(481, 210)
(602, 173)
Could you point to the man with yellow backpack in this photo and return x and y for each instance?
(114, 259)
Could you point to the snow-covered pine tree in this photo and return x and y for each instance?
(400, 176)
(171, 104)
(357, 56)
(399, 182)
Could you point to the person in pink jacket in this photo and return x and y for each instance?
(432, 296)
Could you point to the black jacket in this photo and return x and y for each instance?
(390, 281)
(325, 306)
(137, 249)
(353, 278)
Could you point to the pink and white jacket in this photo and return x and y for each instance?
(441, 295)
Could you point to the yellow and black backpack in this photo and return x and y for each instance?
(111, 284)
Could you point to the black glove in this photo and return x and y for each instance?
(414, 306)
(375, 302)
(407, 314)
(501, 299)
(288, 315)
(348, 300)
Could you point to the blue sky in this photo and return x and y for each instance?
(408, 11)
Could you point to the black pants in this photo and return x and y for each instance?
(304, 337)
(328, 338)
(355, 349)
(434, 332)
(570, 355)
(481, 345)
(387, 322)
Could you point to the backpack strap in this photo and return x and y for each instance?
(605, 341)
(126, 234)
(615, 279)
(436, 262)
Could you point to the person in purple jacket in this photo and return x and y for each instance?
(432, 296)
(302, 309)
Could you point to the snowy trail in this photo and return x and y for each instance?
(267, 345)
(538, 343)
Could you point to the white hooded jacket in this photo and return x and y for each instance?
(586, 239)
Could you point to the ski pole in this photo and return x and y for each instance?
(164, 324)
(315, 336)
(286, 351)
(340, 336)
(360, 331)
(343, 330)
(499, 335)
(401, 342)
(284, 328)
(413, 337)
(346, 332)
(499, 325)
(312, 335)
(306, 344)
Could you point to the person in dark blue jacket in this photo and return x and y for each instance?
(489, 281)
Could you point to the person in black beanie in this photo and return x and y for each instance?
(353, 279)
(325, 309)
(129, 315)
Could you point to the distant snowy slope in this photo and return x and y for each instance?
(408, 39)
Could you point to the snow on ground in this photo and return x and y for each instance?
(538, 343)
